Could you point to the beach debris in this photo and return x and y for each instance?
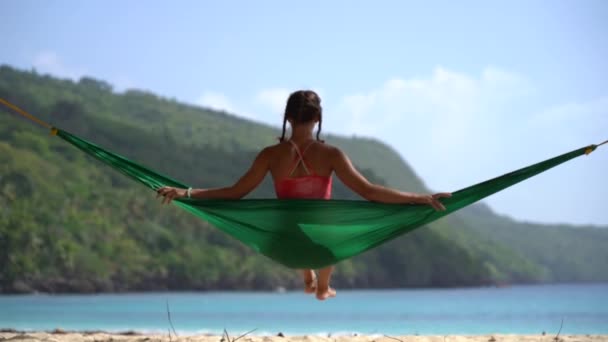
(226, 337)
(393, 338)
(492, 339)
(92, 332)
(9, 330)
(280, 334)
(556, 338)
(129, 333)
(59, 331)
(170, 322)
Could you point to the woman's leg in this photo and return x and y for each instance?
(324, 291)
(310, 281)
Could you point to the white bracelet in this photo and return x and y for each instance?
(189, 192)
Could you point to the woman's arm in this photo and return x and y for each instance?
(249, 181)
(347, 173)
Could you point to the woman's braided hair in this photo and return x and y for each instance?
(302, 106)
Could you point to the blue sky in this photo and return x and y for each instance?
(464, 91)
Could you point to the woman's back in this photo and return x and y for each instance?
(301, 170)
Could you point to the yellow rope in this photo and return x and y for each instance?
(28, 116)
(593, 147)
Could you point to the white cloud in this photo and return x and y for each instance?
(123, 82)
(221, 102)
(442, 115)
(49, 62)
(217, 101)
(565, 124)
(275, 99)
(457, 129)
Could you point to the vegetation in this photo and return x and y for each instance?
(71, 224)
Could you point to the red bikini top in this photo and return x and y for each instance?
(310, 186)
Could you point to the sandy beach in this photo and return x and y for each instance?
(135, 337)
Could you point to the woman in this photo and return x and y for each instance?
(301, 167)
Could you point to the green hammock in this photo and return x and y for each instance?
(314, 233)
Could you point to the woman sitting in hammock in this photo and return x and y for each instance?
(302, 167)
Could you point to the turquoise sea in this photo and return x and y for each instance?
(509, 310)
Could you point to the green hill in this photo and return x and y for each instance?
(70, 224)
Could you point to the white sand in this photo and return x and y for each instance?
(100, 336)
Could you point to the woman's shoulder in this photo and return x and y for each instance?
(317, 144)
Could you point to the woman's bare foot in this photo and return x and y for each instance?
(325, 291)
(310, 281)
(324, 294)
(310, 286)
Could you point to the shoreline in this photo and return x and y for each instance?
(298, 289)
(59, 335)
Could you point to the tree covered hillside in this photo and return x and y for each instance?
(71, 224)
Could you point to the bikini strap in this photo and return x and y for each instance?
(300, 158)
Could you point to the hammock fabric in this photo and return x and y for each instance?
(314, 233)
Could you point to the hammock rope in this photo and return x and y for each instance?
(309, 233)
(600, 144)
